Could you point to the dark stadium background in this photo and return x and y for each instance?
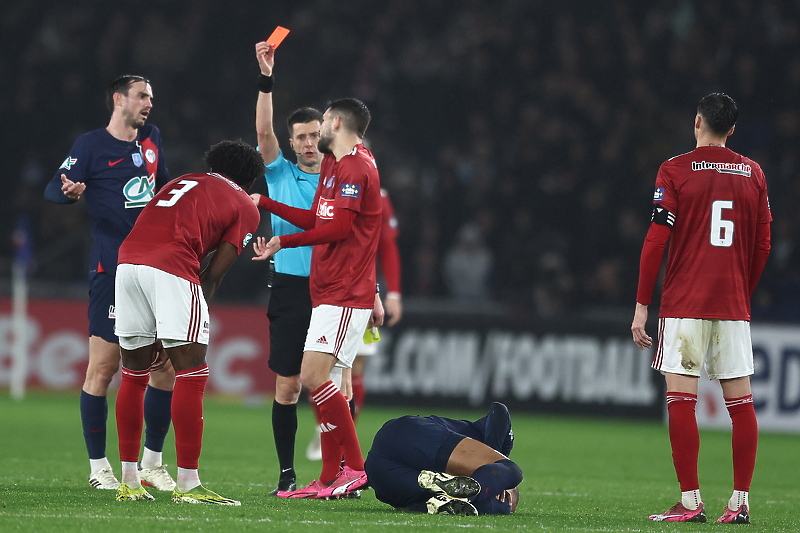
(537, 125)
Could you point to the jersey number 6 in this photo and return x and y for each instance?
(177, 193)
(721, 229)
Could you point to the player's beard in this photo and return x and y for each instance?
(325, 144)
(135, 121)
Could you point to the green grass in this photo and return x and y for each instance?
(580, 475)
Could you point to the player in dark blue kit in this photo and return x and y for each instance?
(118, 169)
(444, 466)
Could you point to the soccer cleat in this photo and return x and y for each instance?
(200, 494)
(347, 481)
(314, 449)
(157, 477)
(287, 482)
(453, 486)
(444, 504)
(679, 513)
(309, 491)
(125, 493)
(739, 516)
(104, 479)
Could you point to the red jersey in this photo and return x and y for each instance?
(343, 272)
(388, 253)
(718, 199)
(189, 218)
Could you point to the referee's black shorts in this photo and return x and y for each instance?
(289, 313)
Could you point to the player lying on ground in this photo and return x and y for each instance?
(443, 466)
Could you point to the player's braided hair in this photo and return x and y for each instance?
(237, 161)
(719, 111)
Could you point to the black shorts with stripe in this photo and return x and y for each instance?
(289, 313)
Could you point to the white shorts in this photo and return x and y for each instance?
(151, 303)
(685, 345)
(338, 331)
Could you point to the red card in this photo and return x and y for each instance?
(277, 37)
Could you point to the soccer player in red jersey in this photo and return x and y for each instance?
(711, 205)
(343, 225)
(389, 261)
(161, 296)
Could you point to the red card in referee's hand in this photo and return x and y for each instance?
(277, 37)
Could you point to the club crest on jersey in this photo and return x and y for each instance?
(137, 159)
(139, 191)
(68, 162)
(325, 208)
(150, 155)
(329, 182)
(247, 239)
(658, 195)
(350, 190)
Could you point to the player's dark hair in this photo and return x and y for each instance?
(353, 112)
(304, 115)
(719, 112)
(237, 161)
(121, 85)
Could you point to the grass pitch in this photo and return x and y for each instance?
(580, 475)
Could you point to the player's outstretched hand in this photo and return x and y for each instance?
(266, 57)
(265, 250)
(255, 197)
(640, 337)
(71, 189)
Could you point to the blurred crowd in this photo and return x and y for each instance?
(519, 139)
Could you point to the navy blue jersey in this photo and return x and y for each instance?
(120, 177)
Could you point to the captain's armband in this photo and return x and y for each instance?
(662, 216)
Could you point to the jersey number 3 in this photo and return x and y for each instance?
(177, 193)
(721, 229)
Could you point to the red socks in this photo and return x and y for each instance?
(336, 421)
(187, 414)
(744, 440)
(684, 438)
(130, 413)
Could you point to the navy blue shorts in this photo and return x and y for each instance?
(101, 307)
(289, 313)
(401, 449)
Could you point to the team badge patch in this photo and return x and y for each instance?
(137, 159)
(68, 162)
(658, 195)
(150, 155)
(247, 239)
(350, 190)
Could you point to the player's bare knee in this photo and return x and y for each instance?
(287, 390)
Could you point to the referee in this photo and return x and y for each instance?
(289, 309)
